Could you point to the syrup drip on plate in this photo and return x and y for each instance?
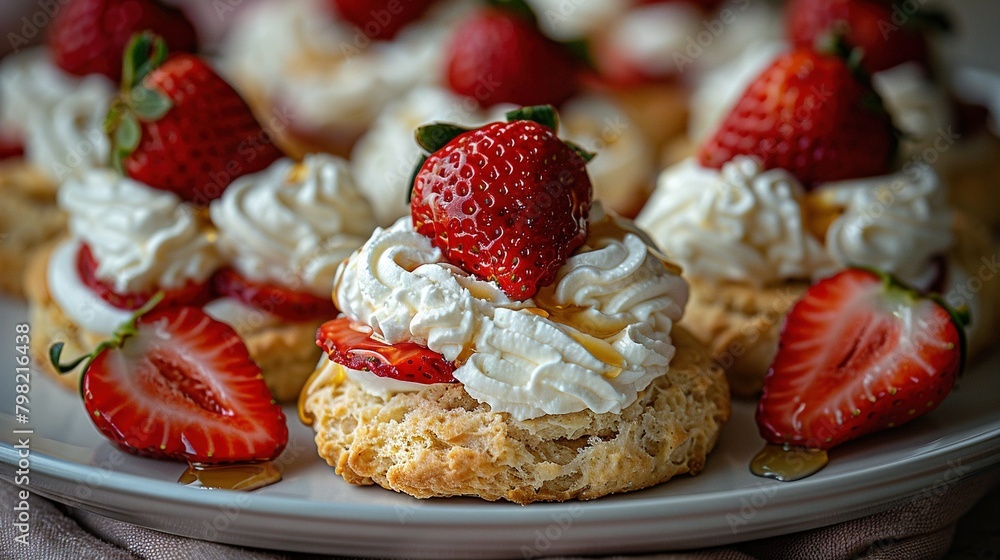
(235, 476)
(787, 462)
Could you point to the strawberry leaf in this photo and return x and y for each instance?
(587, 155)
(433, 137)
(544, 115)
(148, 104)
(126, 139)
(144, 53)
(413, 178)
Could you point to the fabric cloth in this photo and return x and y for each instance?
(923, 526)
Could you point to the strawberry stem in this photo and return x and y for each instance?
(433, 137)
(124, 331)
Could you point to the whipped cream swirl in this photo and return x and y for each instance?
(739, 223)
(292, 224)
(896, 223)
(604, 338)
(745, 224)
(58, 116)
(142, 238)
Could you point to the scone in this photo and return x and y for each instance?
(752, 225)
(524, 351)
(442, 442)
(28, 219)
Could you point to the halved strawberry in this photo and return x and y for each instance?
(178, 126)
(192, 293)
(287, 304)
(858, 353)
(351, 345)
(177, 384)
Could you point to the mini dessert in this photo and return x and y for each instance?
(793, 188)
(53, 101)
(318, 72)
(901, 62)
(858, 353)
(283, 232)
(176, 384)
(510, 339)
(136, 234)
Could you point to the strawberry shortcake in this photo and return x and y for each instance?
(510, 339)
(201, 207)
(799, 181)
(53, 100)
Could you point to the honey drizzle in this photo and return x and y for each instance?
(235, 476)
(787, 463)
(329, 373)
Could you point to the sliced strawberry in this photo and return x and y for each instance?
(192, 293)
(381, 19)
(277, 300)
(10, 148)
(178, 126)
(177, 384)
(89, 36)
(351, 345)
(858, 353)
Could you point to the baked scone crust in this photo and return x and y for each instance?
(741, 324)
(286, 353)
(29, 218)
(441, 442)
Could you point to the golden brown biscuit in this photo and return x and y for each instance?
(442, 442)
(285, 353)
(741, 323)
(28, 219)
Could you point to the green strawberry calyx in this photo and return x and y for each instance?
(136, 103)
(123, 332)
(435, 136)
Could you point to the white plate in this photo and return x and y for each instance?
(313, 510)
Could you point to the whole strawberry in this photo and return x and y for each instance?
(507, 202)
(177, 384)
(178, 126)
(381, 19)
(858, 353)
(811, 114)
(870, 25)
(89, 36)
(497, 56)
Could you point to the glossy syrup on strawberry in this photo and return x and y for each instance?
(857, 354)
(177, 384)
(508, 202)
(352, 346)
